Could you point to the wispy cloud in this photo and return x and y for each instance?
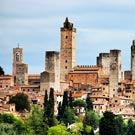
(101, 25)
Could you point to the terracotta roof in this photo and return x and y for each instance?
(98, 96)
(77, 95)
(6, 77)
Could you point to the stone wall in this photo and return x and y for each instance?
(115, 72)
(68, 50)
(133, 60)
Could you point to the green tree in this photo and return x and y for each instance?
(89, 104)
(1, 71)
(64, 102)
(120, 125)
(80, 129)
(68, 116)
(58, 130)
(35, 121)
(45, 99)
(12, 121)
(21, 102)
(130, 127)
(7, 118)
(7, 129)
(107, 124)
(92, 119)
(70, 99)
(49, 110)
(79, 103)
(59, 111)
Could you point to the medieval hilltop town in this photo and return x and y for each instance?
(110, 88)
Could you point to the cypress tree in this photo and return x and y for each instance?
(89, 104)
(107, 124)
(45, 99)
(59, 111)
(65, 102)
(49, 108)
(70, 100)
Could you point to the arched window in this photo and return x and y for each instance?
(17, 56)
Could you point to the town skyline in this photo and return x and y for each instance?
(101, 26)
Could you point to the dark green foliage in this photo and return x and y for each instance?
(79, 103)
(65, 102)
(131, 127)
(89, 104)
(45, 99)
(87, 130)
(120, 125)
(59, 111)
(68, 116)
(70, 99)
(92, 119)
(49, 109)
(21, 102)
(1, 71)
(7, 129)
(11, 125)
(7, 118)
(35, 121)
(107, 124)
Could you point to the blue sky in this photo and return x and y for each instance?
(35, 24)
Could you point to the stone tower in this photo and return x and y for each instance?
(103, 60)
(51, 76)
(68, 50)
(133, 60)
(20, 70)
(115, 72)
(17, 58)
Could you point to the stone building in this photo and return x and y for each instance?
(84, 77)
(67, 51)
(133, 60)
(111, 64)
(6, 81)
(115, 72)
(51, 76)
(20, 70)
(103, 60)
(127, 75)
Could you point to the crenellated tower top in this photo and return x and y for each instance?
(67, 25)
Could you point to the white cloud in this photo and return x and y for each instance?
(101, 25)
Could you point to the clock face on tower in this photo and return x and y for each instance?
(113, 66)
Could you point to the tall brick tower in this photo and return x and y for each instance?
(20, 70)
(50, 78)
(115, 72)
(133, 60)
(68, 50)
(17, 58)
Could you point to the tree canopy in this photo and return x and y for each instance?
(107, 124)
(21, 102)
(92, 119)
(89, 104)
(1, 71)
